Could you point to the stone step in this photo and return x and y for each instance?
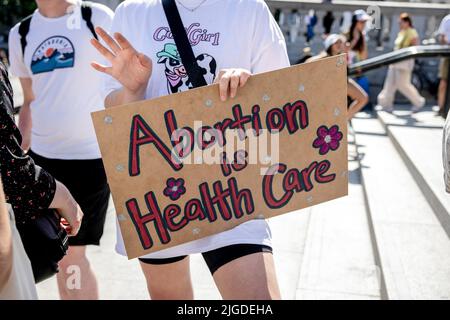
(338, 260)
(410, 245)
(418, 140)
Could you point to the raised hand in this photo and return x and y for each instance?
(128, 66)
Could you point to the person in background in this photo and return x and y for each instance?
(310, 22)
(306, 55)
(327, 23)
(399, 74)
(446, 153)
(5, 242)
(336, 44)
(4, 58)
(16, 275)
(29, 189)
(60, 92)
(356, 36)
(357, 45)
(443, 38)
(294, 23)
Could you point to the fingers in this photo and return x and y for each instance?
(102, 49)
(123, 42)
(224, 83)
(234, 84)
(144, 60)
(108, 39)
(230, 80)
(243, 78)
(71, 229)
(101, 68)
(219, 76)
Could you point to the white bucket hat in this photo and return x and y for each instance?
(361, 15)
(332, 39)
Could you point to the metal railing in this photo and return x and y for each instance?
(383, 28)
(430, 51)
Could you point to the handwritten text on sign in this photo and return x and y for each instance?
(186, 166)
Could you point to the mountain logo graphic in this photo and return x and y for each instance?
(56, 52)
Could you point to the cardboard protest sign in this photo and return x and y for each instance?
(186, 166)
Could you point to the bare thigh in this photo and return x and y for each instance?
(250, 277)
(170, 281)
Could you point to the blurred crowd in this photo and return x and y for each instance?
(353, 41)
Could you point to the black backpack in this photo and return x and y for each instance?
(86, 14)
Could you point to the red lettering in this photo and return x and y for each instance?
(140, 220)
(139, 126)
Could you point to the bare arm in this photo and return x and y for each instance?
(122, 96)
(25, 121)
(415, 41)
(364, 54)
(133, 70)
(359, 97)
(5, 241)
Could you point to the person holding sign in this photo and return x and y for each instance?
(145, 63)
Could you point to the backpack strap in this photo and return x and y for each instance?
(183, 45)
(86, 14)
(24, 28)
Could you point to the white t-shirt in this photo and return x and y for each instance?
(66, 87)
(20, 285)
(223, 34)
(444, 27)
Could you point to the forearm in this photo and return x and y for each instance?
(355, 107)
(5, 241)
(25, 124)
(25, 115)
(364, 52)
(415, 42)
(123, 96)
(62, 200)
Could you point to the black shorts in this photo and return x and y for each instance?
(86, 181)
(218, 257)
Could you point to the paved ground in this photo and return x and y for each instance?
(321, 252)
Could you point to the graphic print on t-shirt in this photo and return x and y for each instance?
(56, 52)
(176, 74)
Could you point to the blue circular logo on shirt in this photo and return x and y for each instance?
(56, 52)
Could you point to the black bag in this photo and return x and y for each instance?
(182, 42)
(45, 242)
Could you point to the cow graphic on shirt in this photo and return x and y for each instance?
(176, 74)
(56, 52)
